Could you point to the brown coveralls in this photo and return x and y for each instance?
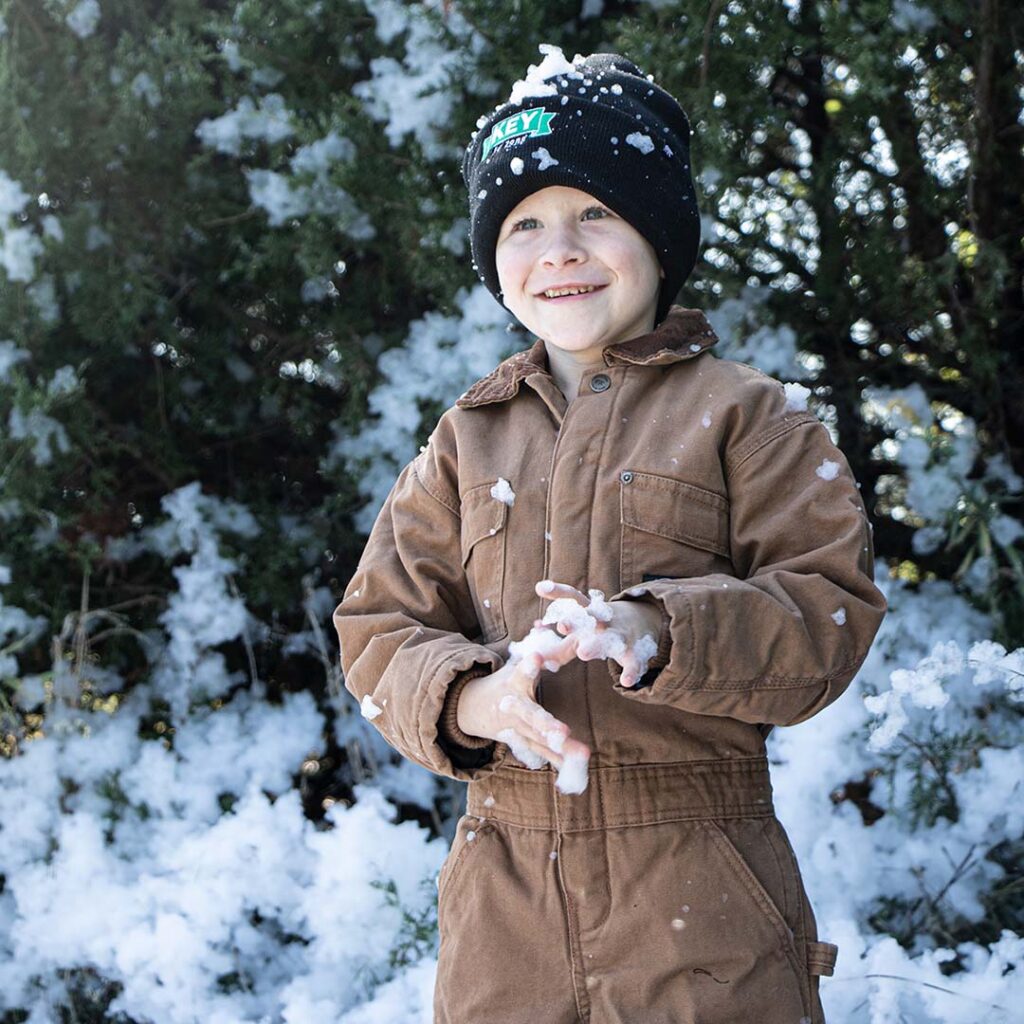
(668, 892)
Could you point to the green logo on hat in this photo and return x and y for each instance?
(527, 122)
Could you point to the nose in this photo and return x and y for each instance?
(564, 245)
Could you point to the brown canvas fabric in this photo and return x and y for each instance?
(668, 891)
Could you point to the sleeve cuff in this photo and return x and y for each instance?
(664, 652)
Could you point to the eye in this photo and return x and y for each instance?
(590, 209)
(520, 223)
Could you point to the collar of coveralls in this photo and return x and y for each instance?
(683, 334)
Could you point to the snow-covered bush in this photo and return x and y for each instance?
(235, 294)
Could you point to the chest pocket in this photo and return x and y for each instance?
(670, 528)
(484, 534)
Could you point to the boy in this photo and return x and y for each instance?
(613, 456)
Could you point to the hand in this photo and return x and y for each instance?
(626, 623)
(491, 705)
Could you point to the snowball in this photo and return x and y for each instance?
(828, 470)
(503, 492)
(640, 141)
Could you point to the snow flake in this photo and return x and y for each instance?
(553, 855)
(547, 536)
(828, 470)
(614, 140)
(482, 193)
(503, 492)
(617, 89)
(516, 165)
(545, 158)
(489, 801)
(667, 150)
(470, 836)
(840, 616)
(706, 419)
(498, 181)
(695, 347)
(487, 602)
(640, 141)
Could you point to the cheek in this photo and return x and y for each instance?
(512, 268)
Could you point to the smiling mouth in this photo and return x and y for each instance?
(569, 294)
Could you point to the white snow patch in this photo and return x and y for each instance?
(502, 490)
(828, 470)
(368, 709)
(545, 158)
(796, 397)
(640, 141)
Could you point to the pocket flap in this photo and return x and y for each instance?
(683, 512)
(821, 957)
(482, 516)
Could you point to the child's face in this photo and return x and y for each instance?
(560, 236)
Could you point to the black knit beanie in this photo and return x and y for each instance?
(598, 125)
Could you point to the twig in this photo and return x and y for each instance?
(917, 981)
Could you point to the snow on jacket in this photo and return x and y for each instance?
(673, 477)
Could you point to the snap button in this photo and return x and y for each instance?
(600, 382)
(625, 476)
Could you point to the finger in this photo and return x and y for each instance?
(551, 590)
(529, 717)
(534, 755)
(630, 669)
(529, 667)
